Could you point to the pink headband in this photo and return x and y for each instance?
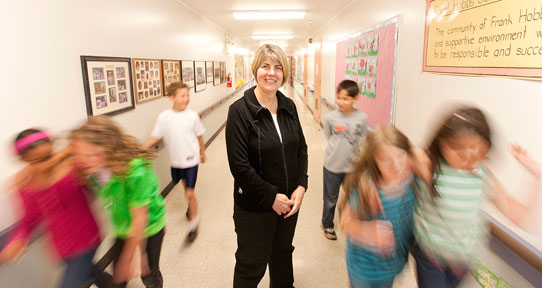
(24, 142)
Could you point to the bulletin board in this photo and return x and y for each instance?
(484, 37)
(369, 58)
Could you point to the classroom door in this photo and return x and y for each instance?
(317, 80)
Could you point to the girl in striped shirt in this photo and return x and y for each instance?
(377, 212)
(447, 223)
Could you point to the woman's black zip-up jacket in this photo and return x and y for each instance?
(261, 165)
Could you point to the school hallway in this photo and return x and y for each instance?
(210, 260)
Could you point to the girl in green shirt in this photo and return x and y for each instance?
(121, 170)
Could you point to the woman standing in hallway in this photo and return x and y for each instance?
(267, 155)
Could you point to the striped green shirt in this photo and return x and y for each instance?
(449, 228)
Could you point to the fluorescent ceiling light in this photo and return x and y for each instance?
(272, 37)
(268, 14)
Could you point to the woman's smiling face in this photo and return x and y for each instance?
(269, 75)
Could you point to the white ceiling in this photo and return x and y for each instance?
(319, 12)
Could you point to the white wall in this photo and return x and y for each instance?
(513, 105)
(42, 80)
(42, 41)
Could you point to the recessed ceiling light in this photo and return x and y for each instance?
(273, 37)
(269, 14)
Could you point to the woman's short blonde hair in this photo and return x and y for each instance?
(275, 53)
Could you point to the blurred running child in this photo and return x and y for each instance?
(125, 179)
(377, 212)
(448, 226)
(344, 128)
(181, 129)
(54, 194)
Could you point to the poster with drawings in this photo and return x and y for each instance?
(361, 61)
(375, 68)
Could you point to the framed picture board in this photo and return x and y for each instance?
(187, 72)
(222, 72)
(209, 71)
(108, 85)
(147, 79)
(171, 72)
(216, 67)
(201, 78)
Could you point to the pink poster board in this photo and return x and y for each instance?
(378, 105)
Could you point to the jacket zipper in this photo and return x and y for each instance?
(283, 157)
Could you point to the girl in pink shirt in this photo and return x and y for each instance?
(53, 194)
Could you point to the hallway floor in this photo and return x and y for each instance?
(209, 261)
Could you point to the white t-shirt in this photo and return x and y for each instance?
(180, 131)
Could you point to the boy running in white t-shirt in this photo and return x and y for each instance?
(181, 129)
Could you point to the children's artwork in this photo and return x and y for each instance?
(108, 85)
(152, 72)
(371, 66)
(209, 71)
(371, 88)
(171, 72)
(222, 72)
(187, 73)
(372, 43)
(216, 66)
(201, 78)
(362, 82)
(362, 68)
(240, 76)
(355, 49)
(362, 47)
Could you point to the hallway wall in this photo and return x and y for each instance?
(512, 105)
(42, 83)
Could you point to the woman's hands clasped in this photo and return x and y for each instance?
(283, 205)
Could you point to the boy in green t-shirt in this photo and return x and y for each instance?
(130, 190)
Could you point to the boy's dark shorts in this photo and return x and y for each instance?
(188, 174)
